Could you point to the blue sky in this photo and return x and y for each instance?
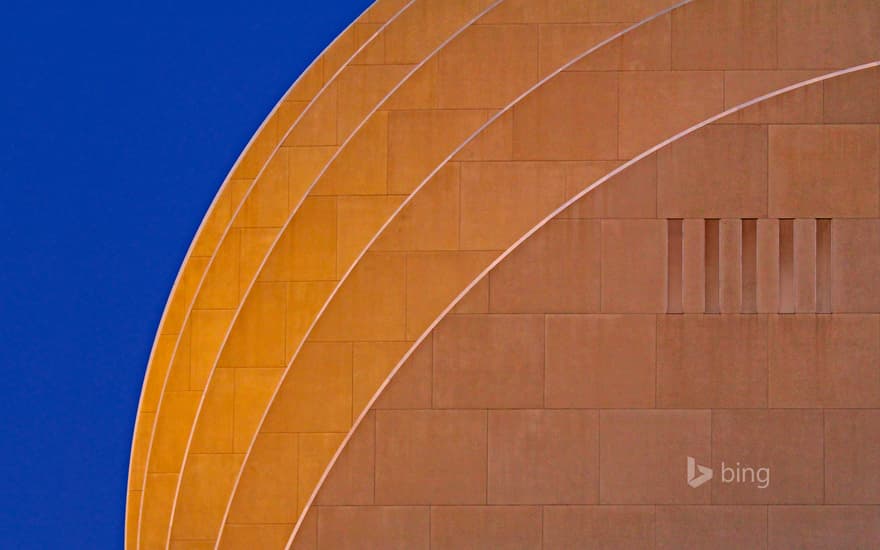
(118, 123)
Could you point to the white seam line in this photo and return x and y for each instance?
(336, 154)
(226, 232)
(416, 190)
(189, 256)
(528, 234)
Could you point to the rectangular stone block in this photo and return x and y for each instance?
(712, 361)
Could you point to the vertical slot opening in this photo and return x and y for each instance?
(786, 266)
(713, 283)
(823, 265)
(749, 265)
(674, 266)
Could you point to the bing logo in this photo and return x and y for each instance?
(697, 475)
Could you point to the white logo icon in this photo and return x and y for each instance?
(705, 473)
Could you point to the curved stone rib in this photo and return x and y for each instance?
(217, 326)
(206, 348)
(757, 115)
(641, 135)
(216, 283)
(243, 277)
(206, 239)
(287, 113)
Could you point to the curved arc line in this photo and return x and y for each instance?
(234, 216)
(226, 232)
(189, 255)
(297, 207)
(406, 201)
(225, 184)
(220, 191)
(531, 232)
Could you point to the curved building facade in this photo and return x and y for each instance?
(537, 274)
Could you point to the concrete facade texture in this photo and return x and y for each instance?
(493, 270)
